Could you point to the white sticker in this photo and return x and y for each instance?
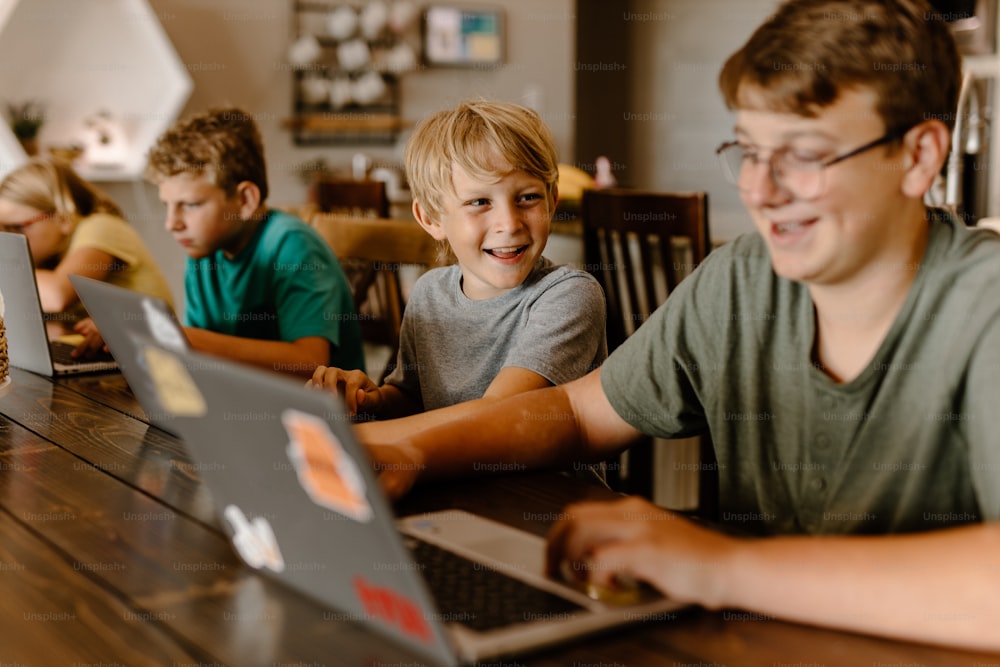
(254, 540)
(162, 328)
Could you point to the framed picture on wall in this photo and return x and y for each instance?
(461, 37)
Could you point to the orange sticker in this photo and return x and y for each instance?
(327, 474)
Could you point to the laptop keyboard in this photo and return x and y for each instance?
(62, 353)
(480, 597)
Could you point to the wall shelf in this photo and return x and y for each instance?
(347, 127)
(330, 103)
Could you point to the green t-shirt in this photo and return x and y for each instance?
(912, 443)
(285, 285)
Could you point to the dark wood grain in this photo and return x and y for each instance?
(124, 447)
(110, 389)
(111, 553)
(50, 609)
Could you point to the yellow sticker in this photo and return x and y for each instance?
(73, 339)
(175, 390)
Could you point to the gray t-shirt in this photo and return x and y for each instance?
(452, 347)
(912, 443)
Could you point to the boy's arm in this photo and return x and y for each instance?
(508, 382)
(299, 357)
(544, 428)
(941, 586)
(54, 288)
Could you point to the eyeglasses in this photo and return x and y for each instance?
(19, 227)
(798, 174)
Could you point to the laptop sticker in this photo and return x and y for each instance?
(175, 390)
(163, 329)
(327, 474)
(254, 540)
(393, 608)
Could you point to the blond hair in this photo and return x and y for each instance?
(224, 145)
(487, 140)
(810, 50)
(50, 185)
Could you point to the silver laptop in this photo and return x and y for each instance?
(128, 321)
(33, 342)
(301, 503)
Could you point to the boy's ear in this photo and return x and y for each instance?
(926, 147)
(430, 225)
(248, 195)
(555, 198)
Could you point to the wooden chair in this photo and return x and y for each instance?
(301, 211)
(362, 199)
(347, 197)
(640, 245)
(372, 250)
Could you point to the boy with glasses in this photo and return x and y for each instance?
(845, 358)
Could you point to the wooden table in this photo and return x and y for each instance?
(110, 554)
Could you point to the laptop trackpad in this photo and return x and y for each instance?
(490, 540)
(527, 556)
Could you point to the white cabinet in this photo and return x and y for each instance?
(105, 72)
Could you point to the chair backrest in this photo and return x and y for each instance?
(301, 211)
(354, 198)
(372, 251)
(639, 245)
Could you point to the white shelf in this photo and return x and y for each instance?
(79, 58)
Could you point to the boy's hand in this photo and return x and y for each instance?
(356, 388)
(398, 466)
(92, 343)
(611, 545)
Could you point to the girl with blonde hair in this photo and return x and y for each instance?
(74, 228)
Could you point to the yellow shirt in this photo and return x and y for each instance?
(112, 235)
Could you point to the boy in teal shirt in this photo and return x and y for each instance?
(261, 286)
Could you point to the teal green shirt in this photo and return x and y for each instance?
(912, 443)
(285, 285)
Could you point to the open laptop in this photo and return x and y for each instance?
(30, 345)
(128, 321)
(301, 503)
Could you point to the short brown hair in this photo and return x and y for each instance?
(475, 135)
(801, 58)
(222, 144)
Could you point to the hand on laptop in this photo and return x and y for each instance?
(356, 389)
(92, 344)
(612, 545)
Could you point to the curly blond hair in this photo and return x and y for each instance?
(222, 144)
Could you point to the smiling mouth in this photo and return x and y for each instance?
(507, 253)
(790, 227)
